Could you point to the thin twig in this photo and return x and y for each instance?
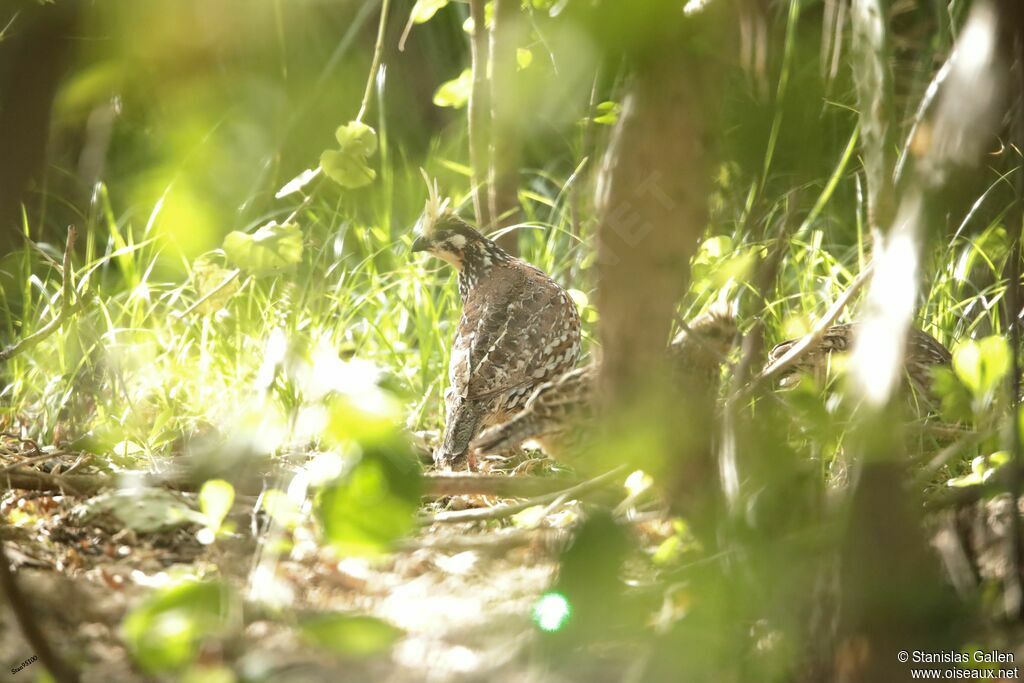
(378, 51)
(206, 297)
(800, 348)
(499, 512)
(478, 114)
(43, 457)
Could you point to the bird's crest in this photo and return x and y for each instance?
(435, 206)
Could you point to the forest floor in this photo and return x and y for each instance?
(462, 593)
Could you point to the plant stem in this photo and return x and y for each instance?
(378, 51)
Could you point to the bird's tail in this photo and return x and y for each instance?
(463, 419)
(508, 435)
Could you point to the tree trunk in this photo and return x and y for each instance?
(652, 201)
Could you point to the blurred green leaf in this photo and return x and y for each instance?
(215, 501)
(347, 165)
(353, 636)
(424, 10)
(281, 508)
(165, 630)
(297, 183)
(954, 397)
(365, 511)
(270, 250)
(455, 93)
(982, 467)
(370, 417)
(981, 365)
(607, 113)
(207, 276)
(144, 510)
(524, 58)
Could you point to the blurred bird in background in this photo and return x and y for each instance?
(560, 413)
(923, 352)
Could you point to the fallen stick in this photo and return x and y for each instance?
(498, 512)
(434, 485)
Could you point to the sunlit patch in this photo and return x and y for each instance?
(459, 564)
(324, 467)
(638, 482)
(157, 580)
(694, 7)
(875, 365)
(265, 586)
(356, 567)
(273, 356)
(140, 293)
(551, 612)
(976, 48)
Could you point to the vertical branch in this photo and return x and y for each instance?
(885, 557)
(479, 114)
(503, 195)
(1011, 16)
(378, 52)
(873, 79)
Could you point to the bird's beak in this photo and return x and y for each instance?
(419, 244)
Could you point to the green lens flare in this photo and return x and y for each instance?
(552, 611)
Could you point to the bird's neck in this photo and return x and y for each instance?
(478, 262)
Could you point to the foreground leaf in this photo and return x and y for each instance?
(354, 636)
(165, 631)
(347, 165)
(270, 250)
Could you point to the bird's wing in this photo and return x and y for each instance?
(516, 333)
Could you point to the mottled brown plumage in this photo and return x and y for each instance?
(518, 329)
(923, 352)
(561, 411)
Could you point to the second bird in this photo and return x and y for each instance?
(518, 329)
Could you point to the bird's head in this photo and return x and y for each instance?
(442, 233)
(714, 331)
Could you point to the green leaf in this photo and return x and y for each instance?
(369, 416)
(143, 510)
(207, 276)
(281, 508)
(607, 113)
(982, 365)
(524, 58)
(347, 165)
(955, 398)
(353, 636)
(424, 10)
(455, 93)
(270, 250)
(364, 512)
(165, 630)
(215, 500)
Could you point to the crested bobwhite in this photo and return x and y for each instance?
(518, 328)
(923, 352)
(560, 411)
